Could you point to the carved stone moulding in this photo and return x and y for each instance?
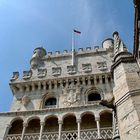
(71, 69)
(56, 71)
(27, 74)
(87, 67)
(15, 76)
(41, 73)
(102, 65)
(25, 100)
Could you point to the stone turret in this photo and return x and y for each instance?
(108, 43)
(126, 90)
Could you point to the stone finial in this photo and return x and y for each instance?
(15, 76)
(119, 46)
(38, 54)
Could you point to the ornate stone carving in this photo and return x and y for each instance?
(72, 96)
(56, 71)
(102, 65)
(15, 76)
(27, 74)
(36, 59)
(41, 73)
(119, 46)
(25, 100)
(71, 69)
(87, 67)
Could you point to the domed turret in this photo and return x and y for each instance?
(108, 43)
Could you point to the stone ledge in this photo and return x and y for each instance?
(42, 111)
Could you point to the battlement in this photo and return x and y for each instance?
(50, 65)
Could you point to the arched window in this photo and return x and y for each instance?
(94, 96)
(51, 102)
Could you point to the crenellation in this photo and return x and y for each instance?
(80, 50)
(65, 51)
(88, 48)
(57, 52)
(49, 53)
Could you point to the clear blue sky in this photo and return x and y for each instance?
(27, 24)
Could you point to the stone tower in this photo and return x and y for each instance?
(97, 98)
(56, 100)
(126, 91)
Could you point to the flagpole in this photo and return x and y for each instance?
(72, 48)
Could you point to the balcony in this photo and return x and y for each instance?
(86, 134)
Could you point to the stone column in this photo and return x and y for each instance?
(27, 88)
(60, 129)
(55, 84)
(7, 130)
(41, 129)
(39, 86)
(50, 85)
(83, 80)
(97, 119)
(79, 128)
(33, 87)
(44, 85)
(23, 131)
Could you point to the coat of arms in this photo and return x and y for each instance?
(72, 96)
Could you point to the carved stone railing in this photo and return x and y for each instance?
(31, 136)
(107, 133)
(69, 135)
(50, 136)
(14, 137)
(86, 134)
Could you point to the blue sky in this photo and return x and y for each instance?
(27, 24)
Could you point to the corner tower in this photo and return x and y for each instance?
(126, 91)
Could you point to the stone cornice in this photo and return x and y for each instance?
(54, 110)
(127, 95)
(123, 57)
(58, 78)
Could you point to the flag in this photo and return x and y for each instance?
(78, 32)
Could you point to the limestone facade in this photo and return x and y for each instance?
(96, 98)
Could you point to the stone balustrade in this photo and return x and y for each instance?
(85, 134)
